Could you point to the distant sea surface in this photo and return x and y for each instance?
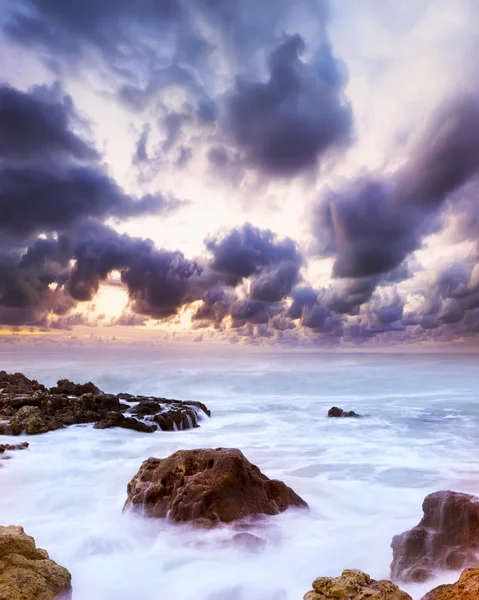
(364, 479)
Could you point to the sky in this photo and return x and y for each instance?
(267, 173)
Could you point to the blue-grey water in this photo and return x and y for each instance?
(364, 479)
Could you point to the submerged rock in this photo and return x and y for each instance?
(210, 485)
(339, 412)
(447, 537)
(10, 447)
(354, 585)
(467, 588)
(26, 572)
(28, 407)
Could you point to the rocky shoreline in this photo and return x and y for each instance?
(213, 487)
(27, 406)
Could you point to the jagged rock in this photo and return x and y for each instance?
(467, 588)
(339, 412)
(26, 572)
(354, 585)
(65, 386)
(114, 419)
(210, 485)
(17, 383)
(10, 447)
(28, 407)
(32, 420)
(447, 537)
(176, 419)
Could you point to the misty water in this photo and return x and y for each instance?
(364, 479)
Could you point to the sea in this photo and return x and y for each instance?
(364, 479)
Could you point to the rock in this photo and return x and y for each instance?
(177, 419)
(354, 585)
(339, 412)
(32, 420)
(114, 419)
(10, 447)
(467, 588)
(26, 572)
(248, 542)
(17, 383)
(209, 485)
(28, 407)
(447, 537)
(64, 386)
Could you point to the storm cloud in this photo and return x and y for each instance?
(373, 224)
(286, 123)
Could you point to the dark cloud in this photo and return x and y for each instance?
(247, 250)
(285, 124)
(303, 297)
(35, 199)
(39, 123)
(375, 223)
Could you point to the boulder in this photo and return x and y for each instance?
(26, 572)
(447, 537)
(467, 588)
(354, 585)
(207, 485)
(339, 412)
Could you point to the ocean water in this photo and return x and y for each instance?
(364, 479)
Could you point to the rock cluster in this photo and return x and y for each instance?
(447, 537)
(336, 412)
(27, 406)
(207, 485)
(26, 572)
(354, 585)
(467, 588)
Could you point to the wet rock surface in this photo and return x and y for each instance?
(207, 485)
(26, 572)
(446, 538)
(336, 412)
(467, 588)
(27, 406)
(354, 585)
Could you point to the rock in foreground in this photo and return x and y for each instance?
(26, 572)
(26, 406)
(336, 412)
(467, 588)
(209, 485)
(447, 537)
(354, 585)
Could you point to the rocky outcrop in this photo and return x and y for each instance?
(209, 485)
(28, 407)
(354, 585)
(467, 588)
(336, 412)
(26, 572)
(447, 537)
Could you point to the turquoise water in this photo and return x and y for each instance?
(364, 479)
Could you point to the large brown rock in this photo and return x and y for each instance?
(467, 588)
(211, 485)
(447, 537)
(26, 572)
(354, 585)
